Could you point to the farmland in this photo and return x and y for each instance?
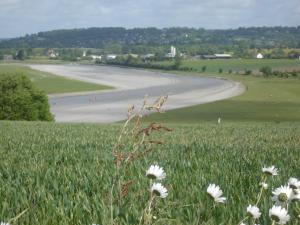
(62, 173)
(50, 83)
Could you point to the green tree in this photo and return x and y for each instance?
(20, 100)
(21, 54)
(248, 72)
(177, 62)
(266, 71)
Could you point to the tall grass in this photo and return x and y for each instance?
(62, 173)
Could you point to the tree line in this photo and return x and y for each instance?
(153, 40)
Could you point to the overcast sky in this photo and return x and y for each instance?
(19, 17)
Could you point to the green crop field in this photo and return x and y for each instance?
(50, 83)
(62, 173)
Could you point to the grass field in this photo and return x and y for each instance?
(50, 83)
(46, 60)
(236, 65)
(266, 99)
(62, 173)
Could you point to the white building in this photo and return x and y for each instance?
(148, 56)
(259, 56)
(52, 53)
(223, 56)
(173, 51)
(111, 56)
(95, 57)
(171, 54)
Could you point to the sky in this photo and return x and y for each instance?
(20, 17)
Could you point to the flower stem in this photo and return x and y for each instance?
(261, 192)
(111, 204)
(146, 216)
(243, 220)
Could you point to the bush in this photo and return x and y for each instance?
(266, 71)
(20, 100)
(294, 73)
(248, 72)
(220, 70)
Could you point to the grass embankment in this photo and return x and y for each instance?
(63, 173)
(50, 83)
(266, 99)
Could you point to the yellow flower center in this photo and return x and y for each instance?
(282, 197)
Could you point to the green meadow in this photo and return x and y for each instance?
(51, 83)
(265, 99)
(269, 99)
(63, 173)
(238, 65)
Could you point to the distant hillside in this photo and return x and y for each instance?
(255, 37)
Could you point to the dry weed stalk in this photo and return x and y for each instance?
(134, 142)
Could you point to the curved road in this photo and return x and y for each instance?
(131, 87)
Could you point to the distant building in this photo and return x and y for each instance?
(8, 57)
(95, 57)
(259, 56)
(52, 54)
(132, 55)
(148, 56)
(223, 56)
(171, 54)
(209, 57)
(111, 56)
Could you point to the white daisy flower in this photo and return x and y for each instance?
(2, 223)
(264, 185)
(282, 194)
(155, 172)
(215, 192)
(296, 195)
(279, 214)
(272, 170)
(294, 183)
(253, 211)
(159, 190)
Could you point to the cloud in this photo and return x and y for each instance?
(18, 17)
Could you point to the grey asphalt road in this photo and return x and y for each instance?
(131, 85)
